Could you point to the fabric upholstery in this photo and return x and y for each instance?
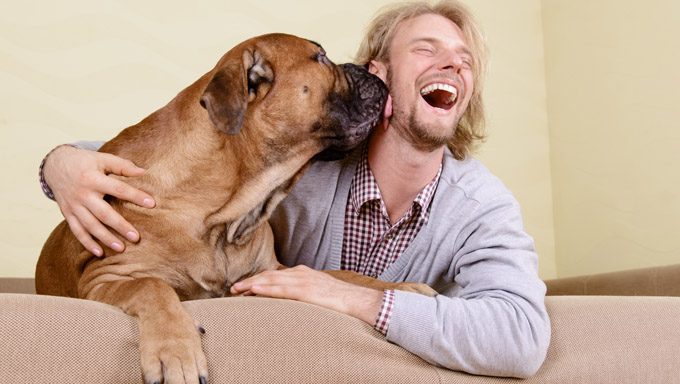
(595, 339)
(17, 285)
(248, 340)
(657, 281)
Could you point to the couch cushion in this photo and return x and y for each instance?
(249, 340)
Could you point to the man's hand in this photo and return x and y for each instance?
(315, 287)
(79, 180)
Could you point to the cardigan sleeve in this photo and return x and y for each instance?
(494, 322)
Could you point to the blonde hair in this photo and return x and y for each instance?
(376, 43)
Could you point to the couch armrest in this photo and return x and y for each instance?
(657, 281)
(250, 340)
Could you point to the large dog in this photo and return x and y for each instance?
(219, 157)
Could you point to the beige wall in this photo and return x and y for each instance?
(518, 148)
(75, 70)
(613, 83)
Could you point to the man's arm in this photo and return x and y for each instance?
(314, 287)
(78, 178)
(490, 321)
(493, 320)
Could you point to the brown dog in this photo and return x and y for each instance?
(219, 158)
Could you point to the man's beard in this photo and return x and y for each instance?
(419, 134)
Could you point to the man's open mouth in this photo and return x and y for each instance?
(440, 95)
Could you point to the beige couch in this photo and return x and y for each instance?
(595, 339)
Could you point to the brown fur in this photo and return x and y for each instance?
(219, 157)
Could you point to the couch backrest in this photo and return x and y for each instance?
(657, 281)
(16, 285)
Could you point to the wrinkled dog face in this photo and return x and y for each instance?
(287, 90)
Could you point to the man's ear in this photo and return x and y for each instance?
(378, 68)
(232, 87)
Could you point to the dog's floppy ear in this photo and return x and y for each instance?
(236, 84)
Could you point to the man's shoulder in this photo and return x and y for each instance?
(322, 175)
(322, 181)
(473, 178)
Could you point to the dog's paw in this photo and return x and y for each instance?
(171, 351)
(423, 289)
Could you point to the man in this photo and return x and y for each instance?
(403, 208)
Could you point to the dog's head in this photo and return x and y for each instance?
(286, 91)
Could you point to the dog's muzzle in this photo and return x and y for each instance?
(356, 113)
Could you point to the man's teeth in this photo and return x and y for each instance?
(439, 86)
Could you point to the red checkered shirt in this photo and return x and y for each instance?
(371, 243)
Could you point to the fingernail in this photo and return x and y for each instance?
(149, 203)
(118, 247)
(132, 236)
(97, 251)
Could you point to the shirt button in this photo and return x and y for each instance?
(389, 236)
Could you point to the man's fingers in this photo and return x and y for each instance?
(125, 191)
(96, 229)
(122, 190)
(275, 281)
(109, 217)
(83, 236)
(80, 180)
(300, 292)
(276, 291)
(120, 166)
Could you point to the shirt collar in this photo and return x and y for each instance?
(425, 196)
(364, 189)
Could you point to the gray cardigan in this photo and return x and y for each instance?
(489, 317)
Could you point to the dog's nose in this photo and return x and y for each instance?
(366, 85)
(369, 91)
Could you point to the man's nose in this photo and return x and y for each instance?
(451, 61)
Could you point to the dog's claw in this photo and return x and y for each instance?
(202, 380)
(199, 327)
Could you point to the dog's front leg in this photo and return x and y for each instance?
(169, 341)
